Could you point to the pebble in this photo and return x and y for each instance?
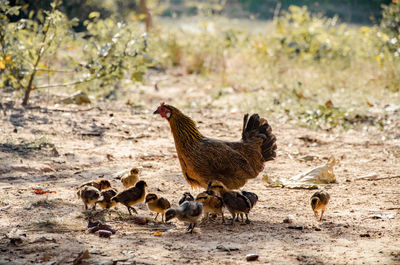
(252, 257)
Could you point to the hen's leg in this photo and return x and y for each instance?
(155, 218)
(223, 218)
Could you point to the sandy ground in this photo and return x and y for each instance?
(58, 147)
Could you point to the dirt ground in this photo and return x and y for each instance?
(58, 147)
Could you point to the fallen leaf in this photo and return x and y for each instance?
(46, 257)
(329, 104)
(369, 104)
(39, 191)
(81, 256)
(158, 233)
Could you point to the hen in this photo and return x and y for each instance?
(203, 159)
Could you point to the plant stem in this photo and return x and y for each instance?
(41, 52)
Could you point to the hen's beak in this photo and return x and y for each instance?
(156, 111)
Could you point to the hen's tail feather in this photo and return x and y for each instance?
(259, 127)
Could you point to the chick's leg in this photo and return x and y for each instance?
(205, 218)
(133, 209)
(247, 219)
(316, 214)
(322, 213)
(189, 229)
(192, 227)
(223, 218)
(233, 218)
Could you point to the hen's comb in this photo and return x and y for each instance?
(162, 104)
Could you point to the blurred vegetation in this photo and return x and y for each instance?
(304, 66)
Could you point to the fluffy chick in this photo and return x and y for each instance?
(211, 204)
(188, 211)
(235, 202)
(131, 178)
(100, 184)
(106, 202)
(131, 196)
(158, 205)
(89, 195)
(186, 197)
(253, 198)
(319, 200)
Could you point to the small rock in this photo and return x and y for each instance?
(140, 220)
(227, 248)
(289, 219)
(297, 227)
(252, 257)
(317, 229)
(365, 235)
(104, 233)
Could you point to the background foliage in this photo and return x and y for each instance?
(314, 68)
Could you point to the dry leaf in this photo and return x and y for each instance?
(158, 233)
(329, 104)
(46, 257)
(369, 104)
(310, 179)
(81, 256)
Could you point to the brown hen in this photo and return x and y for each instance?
(203, 159)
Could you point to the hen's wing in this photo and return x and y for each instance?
(217, 160)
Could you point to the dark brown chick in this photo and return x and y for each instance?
(253, 198)
(319, 200)
(211, 204)
(234, 201)
(89, 195)
(158, 205)
(186, 197)
(100, 184)
(203, 159)
(130, 179)
(131, 196)
(106, 202)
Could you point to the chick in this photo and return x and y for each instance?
(211, 204)
(106, 202)
(131, 178)
(131, 196)
(158, 205)
(186, 197)
(253, 198)
(233, 200)
(89, 195)
(188, 211)
(319, 200)
(100, 184)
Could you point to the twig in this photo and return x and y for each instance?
(56, 70)
(66, 84)
(374, 177)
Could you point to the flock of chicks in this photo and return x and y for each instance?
(190, 210)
